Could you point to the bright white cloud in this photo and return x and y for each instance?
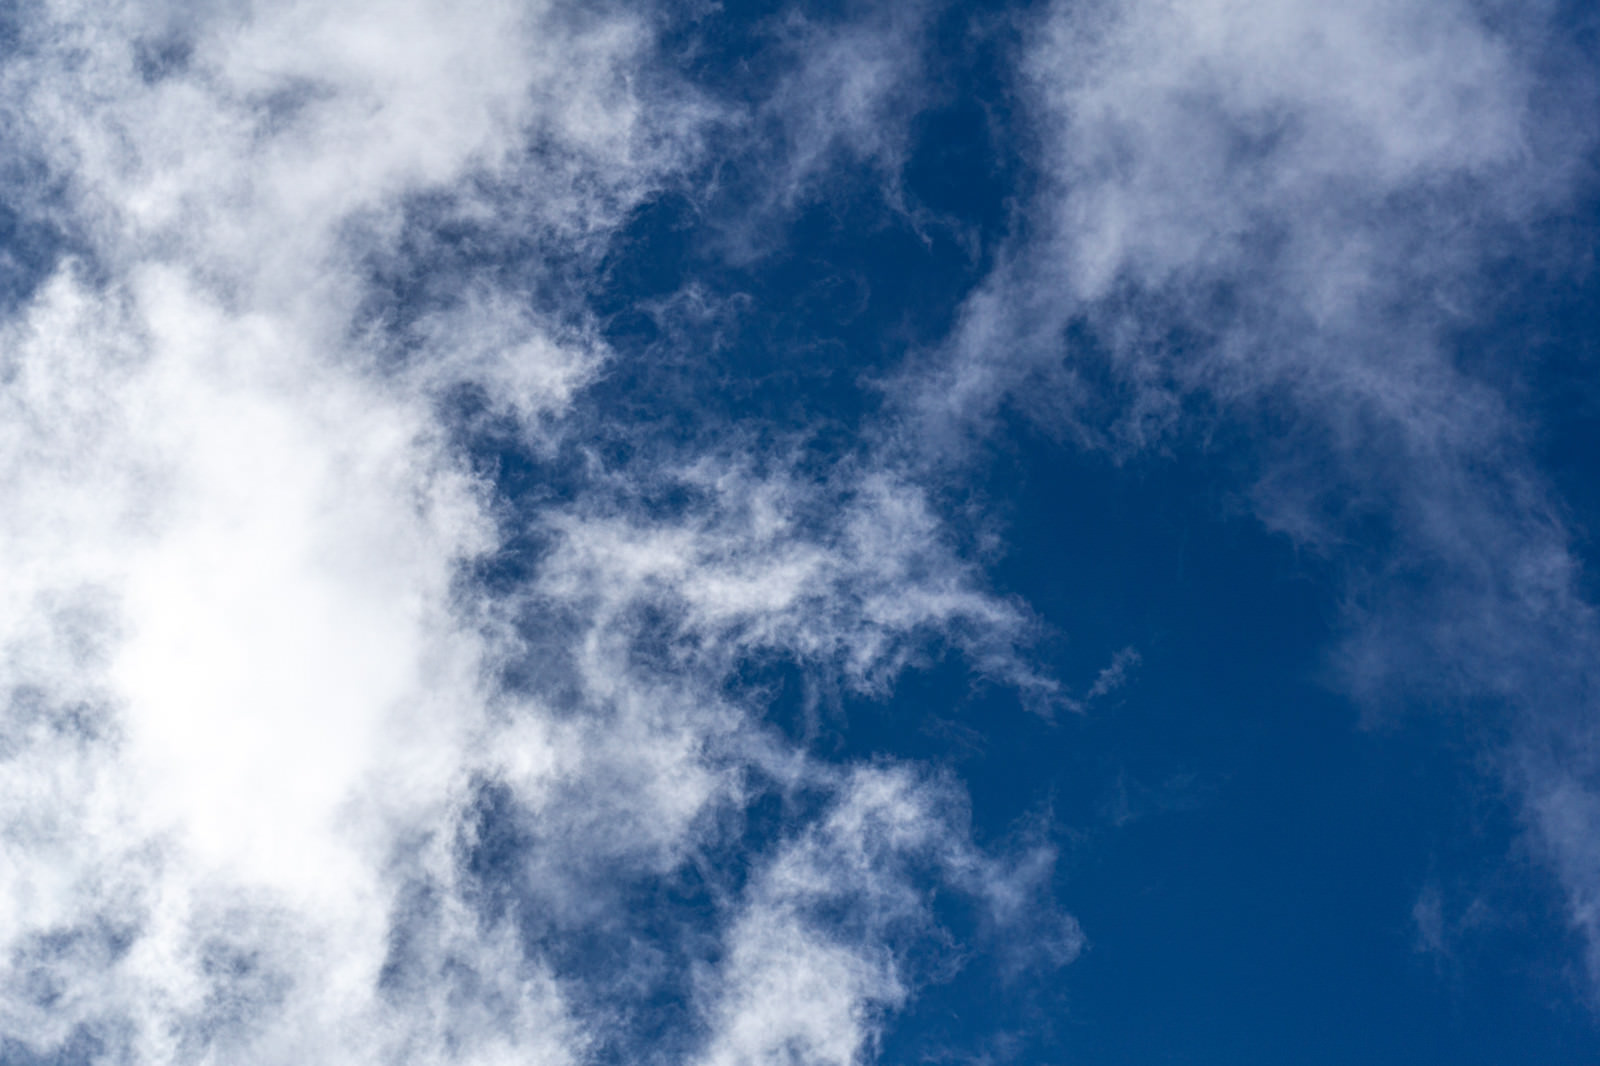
(254, 703)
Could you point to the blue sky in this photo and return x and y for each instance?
(799, 533)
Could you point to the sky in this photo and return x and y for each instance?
(799, 533)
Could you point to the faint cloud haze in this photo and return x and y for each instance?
(1280, 216)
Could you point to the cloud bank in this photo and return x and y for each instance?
(309, 757)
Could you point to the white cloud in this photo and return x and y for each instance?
(798, 986)
(1277, 214)
(1188, 126)
(1291, 183)
(849, 93)
(254, 701)
(836, 97)
(852, 575)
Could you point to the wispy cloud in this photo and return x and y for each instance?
(1278, 215)
(800, 986)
